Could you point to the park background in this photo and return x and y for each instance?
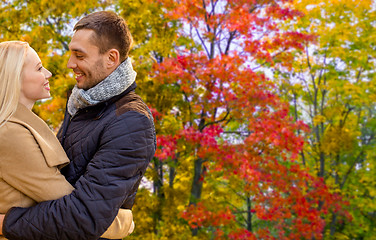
(264, 111)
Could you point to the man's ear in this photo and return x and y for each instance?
(113, 58)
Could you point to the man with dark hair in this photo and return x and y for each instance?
(111, 32)
(107, 133)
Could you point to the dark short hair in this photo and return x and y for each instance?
(111, 31)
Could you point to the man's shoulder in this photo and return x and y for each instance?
(131, 102)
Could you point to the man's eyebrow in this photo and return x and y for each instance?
(77, 50)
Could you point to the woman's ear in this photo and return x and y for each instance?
(113, 58)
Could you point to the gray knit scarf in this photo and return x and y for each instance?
(114, 84)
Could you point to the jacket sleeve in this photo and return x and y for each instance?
(125, 150)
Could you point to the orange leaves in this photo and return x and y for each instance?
(282, 12)
(204, 81)
(254, 24)
(233, 120)
(242, 234)
(51, 111)
(203, 143)
(283, 194)
(200, 216)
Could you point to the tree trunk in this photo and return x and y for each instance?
(158, 177)
(158, 190)
(333, 224)
(172, 174)
(249, 214)
(198, 180)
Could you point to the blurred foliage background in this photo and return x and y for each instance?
(264, 111)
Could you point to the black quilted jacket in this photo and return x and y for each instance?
(110, 146)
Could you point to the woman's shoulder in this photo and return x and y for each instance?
(11, 127)
(13, 133)
(17, 123)
(15, 143)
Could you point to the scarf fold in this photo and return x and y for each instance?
(114, 84)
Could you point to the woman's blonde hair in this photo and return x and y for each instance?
(12, 58)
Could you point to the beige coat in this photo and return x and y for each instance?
(30, 158)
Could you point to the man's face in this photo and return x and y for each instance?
(85, 60)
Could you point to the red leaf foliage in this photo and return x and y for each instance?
(224, 86)
(199, 216)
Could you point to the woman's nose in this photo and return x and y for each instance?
(47, 73)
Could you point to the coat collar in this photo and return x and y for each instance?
(47, 141)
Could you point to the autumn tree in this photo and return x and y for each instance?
(227, 145)
(331, 86)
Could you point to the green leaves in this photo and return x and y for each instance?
(332, 88)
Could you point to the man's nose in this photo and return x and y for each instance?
(71, 64)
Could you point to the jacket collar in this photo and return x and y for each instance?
(96, 111)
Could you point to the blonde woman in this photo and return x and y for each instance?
(30, 154)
